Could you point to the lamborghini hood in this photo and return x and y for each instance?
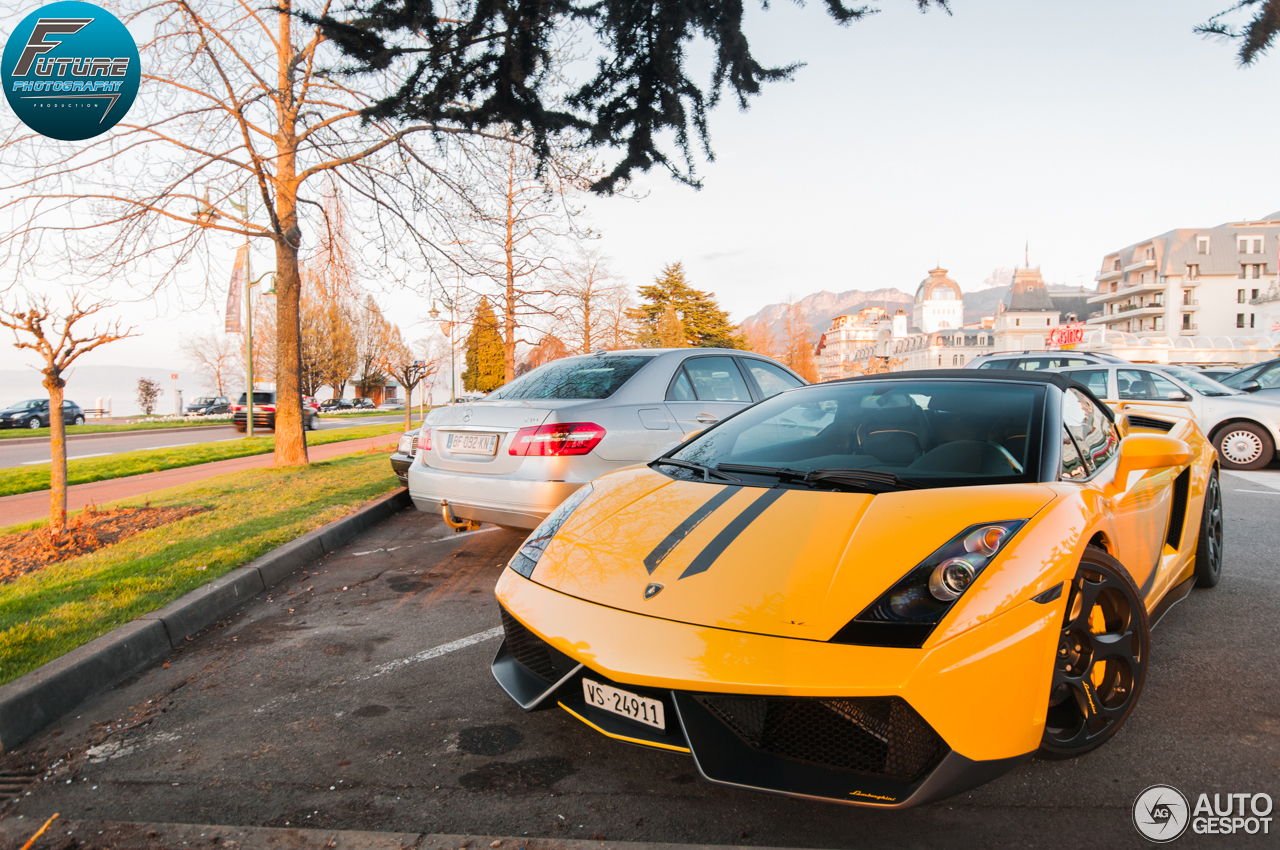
(787, 562)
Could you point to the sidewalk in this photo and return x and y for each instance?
(25, 507)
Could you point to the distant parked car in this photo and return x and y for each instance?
(363, 403)
(512, 457)
(1217, 373)
(402, 459)
(264, 412)
(1262, 379)
(334, 404)
(309, 401)
(34, 413)
(1243, 428)
(392, 404)
(209, 405)
(1034, 361)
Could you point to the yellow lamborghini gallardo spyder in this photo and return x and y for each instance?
(881, 591)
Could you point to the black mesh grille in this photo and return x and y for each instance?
(544, 660)
(1178, 512)
(880, 736)
(1136, 421)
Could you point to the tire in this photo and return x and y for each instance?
(33, 423)
(79, 420)
(240, 428)
(1101, 662)
(313, 422)
(1209, 542)
(1244, 445)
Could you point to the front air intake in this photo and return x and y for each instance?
(875, 736)
(539, 657)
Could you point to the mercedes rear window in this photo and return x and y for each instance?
(580, 378)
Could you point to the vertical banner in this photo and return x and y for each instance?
(235, 297)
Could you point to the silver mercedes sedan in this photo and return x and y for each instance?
(514, 456)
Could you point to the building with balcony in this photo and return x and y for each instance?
(851, 332)
(1190, 282)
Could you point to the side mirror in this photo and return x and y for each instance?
(1178, 395)
(1250, 386)
(1150, 451)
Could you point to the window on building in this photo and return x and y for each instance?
(1193, 271)
(1244, 271)
(1239, 296)
(1158, 300)
(1157, 324)
(1239, 320)
(1017, 322)
(1255, 293)
(1202, 244)
(1186, 321)
(1257, 271)
(1251, 317)
(1149, 254)
(1257, 245)
(1115, 265)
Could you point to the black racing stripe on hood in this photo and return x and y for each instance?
(681, 531)
(730, 533)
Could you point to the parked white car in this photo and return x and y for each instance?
(1244, 428)
(515, 455)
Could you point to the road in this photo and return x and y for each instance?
(358, 696)
(88, 445)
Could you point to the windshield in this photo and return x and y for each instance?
(30, 404)
(931, 433)
(203, 400)
(1198, 381)
(259, 397)
(579, 378)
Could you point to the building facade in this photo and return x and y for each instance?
(847, 334)
(1026, 314)
(939, 304)
(1191, 282)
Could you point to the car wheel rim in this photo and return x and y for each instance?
(33, 424)
(1213, 523)
(1241, 446)
(1100, 658)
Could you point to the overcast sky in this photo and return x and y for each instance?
(909, 140)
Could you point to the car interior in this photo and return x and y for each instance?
(910, 429)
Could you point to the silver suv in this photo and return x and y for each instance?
(512, 457)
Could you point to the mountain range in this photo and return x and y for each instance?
(820, 308)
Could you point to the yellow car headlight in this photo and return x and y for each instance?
(526, 557)
(907, 613)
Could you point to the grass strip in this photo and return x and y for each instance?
(28, 479)
(50, 612)
(170, 424)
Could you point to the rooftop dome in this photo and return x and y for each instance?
(938, 287)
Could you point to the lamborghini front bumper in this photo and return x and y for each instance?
(862, 725)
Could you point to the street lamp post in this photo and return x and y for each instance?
(248, 344)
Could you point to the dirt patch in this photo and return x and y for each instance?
(90, 531)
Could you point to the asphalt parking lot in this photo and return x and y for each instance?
(358, 696)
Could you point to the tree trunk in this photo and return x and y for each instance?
(291, 440)
(408, 406)
(58, 452)
(509, 311)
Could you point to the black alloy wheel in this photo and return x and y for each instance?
(1209, 544)
(1101, 662)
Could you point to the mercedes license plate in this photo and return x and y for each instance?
(629, 705)
(473, 444)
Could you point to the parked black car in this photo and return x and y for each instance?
(403, 457)
(337, 404)
(34, 413)
(264, 412)
(209, 405)
(1263, 378)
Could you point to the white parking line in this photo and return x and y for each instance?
(1263, 492)
(436, 652)
(70, 457)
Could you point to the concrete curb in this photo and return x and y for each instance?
(122, 835)
(31, 702)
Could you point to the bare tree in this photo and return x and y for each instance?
(239, 101)
(617, 326)
(797, 342)
(59, 348)
(215, 356)
(373, 336)
(518, 217)
(410, 367)
(148, 395)
(587, 292)
(760, 339)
